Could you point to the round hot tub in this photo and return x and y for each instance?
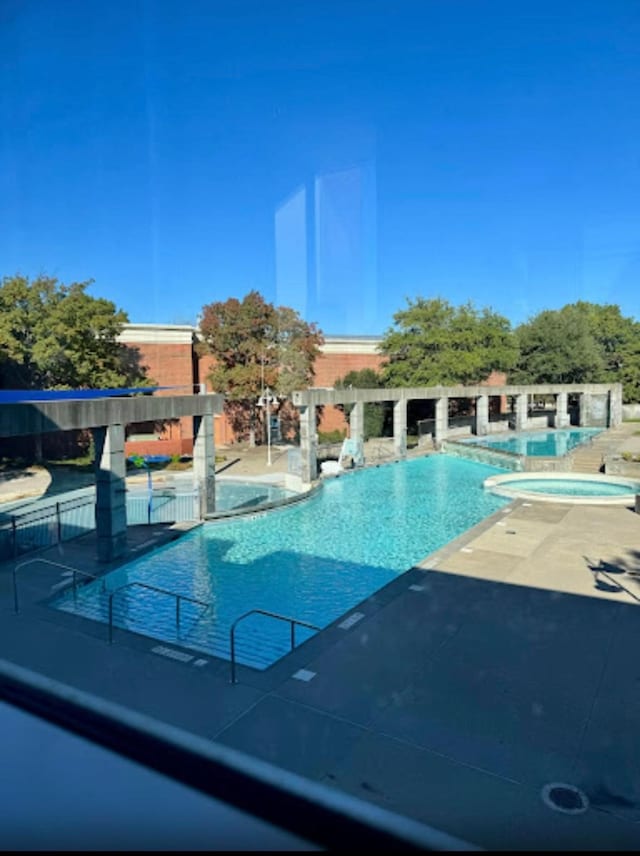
(580, 488)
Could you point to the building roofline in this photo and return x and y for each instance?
(152, 333)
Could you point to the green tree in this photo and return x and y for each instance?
(377, 415)
(434, 342)
(581, 343)
(57, 336)
(558, 346)
(256, 345)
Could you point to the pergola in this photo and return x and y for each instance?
(599, 405)
(106, 416)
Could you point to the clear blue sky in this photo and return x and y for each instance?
(336, 156)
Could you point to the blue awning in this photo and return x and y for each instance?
(24, 396)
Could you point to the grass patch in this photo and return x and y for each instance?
(81, 464)
(335, 436)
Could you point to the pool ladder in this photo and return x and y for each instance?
(178, 598)
(74, 580)
(292, 621)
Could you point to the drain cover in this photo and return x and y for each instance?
(565, 798)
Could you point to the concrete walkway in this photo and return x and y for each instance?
(506, 662)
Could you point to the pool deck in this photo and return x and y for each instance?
(505, 661)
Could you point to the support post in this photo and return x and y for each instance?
(585, 402)
(521, 411)
(561, 419)
(442, 419)
(615, 406)
(308, 444)
(482, 415)
(400, 428)
(111, 492)
(356, 429)
(204, 463)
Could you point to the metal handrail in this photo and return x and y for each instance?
(292, 622)
(177, 596)
(75, 571)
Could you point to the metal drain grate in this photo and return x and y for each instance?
(565, 798)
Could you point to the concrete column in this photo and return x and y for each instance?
(482, 415)
(356, 429)
(204, 463)
(521, 411)
(111, 495)
(561, 419)
(442, 419)
(585, 401)
(308, 445)
(400, 428)
(615, 406)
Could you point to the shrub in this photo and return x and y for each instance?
(335, 436)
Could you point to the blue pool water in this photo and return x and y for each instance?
(313, 561)
(540, 443)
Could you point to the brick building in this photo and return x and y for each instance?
(169, 353)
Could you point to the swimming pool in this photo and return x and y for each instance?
(539, 443)
(312, 561)
(568, 487)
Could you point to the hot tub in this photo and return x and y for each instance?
(579, 488)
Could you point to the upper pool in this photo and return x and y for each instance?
(312, 561)
(539, 443)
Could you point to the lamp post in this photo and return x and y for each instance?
(266, 400)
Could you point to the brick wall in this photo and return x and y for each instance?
(168, 363)
(329, 368)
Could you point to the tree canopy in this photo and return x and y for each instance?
(256, 345)
(57, 336)
(434, 342)
(580, 343)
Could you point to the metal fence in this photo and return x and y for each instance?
(65, 519)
